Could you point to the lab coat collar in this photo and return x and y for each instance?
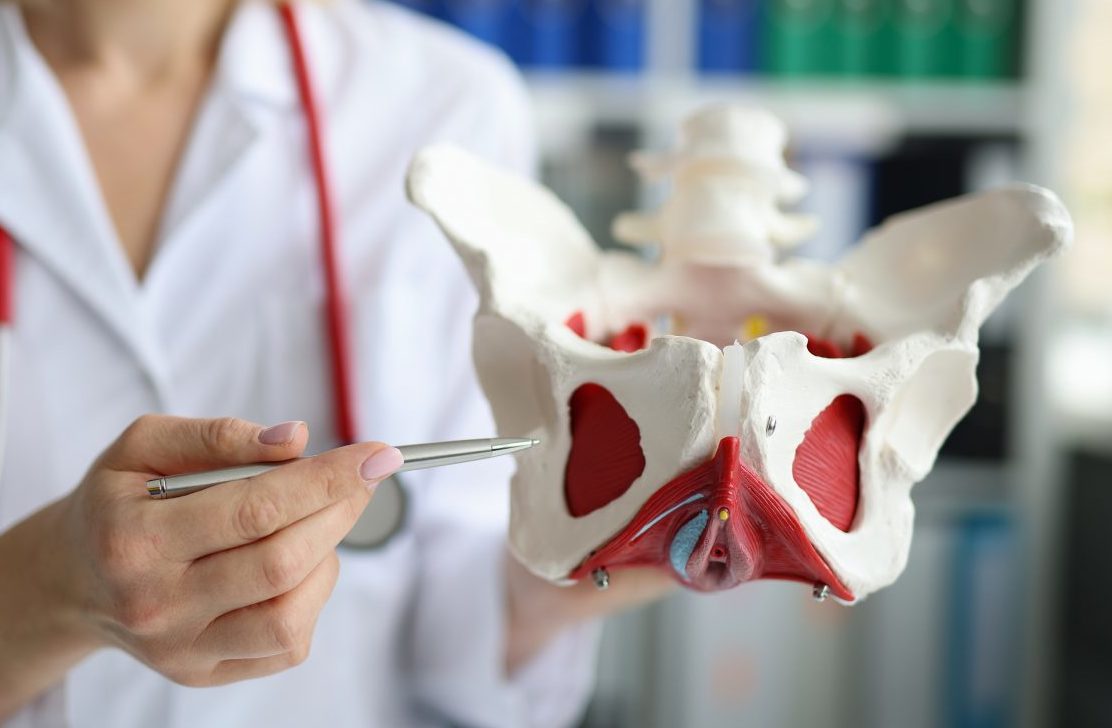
(254, 70)
(254, 86)
(49, 198)
(255, 57)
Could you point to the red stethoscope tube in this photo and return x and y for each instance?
(336, 322)
(7, 277)
(335, 301)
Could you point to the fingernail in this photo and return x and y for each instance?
(280, 434)
(381, 464)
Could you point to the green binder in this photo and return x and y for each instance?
(927, 39)
(990, 31)
(865, 29)
(801, 37)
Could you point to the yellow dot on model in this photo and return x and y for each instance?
(755, 327)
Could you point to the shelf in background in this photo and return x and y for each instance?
(853, 116)
(957, 488)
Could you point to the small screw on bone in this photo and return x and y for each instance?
(770, 426)
(820, 592)
(601, 578)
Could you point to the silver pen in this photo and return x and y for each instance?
(416, 457)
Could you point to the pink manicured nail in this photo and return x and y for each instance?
(381, 464)
(280, 434)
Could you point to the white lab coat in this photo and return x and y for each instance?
(227, 321)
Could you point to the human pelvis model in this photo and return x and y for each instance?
(724, 411)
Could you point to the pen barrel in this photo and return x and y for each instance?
(418, 457)
(176, 485)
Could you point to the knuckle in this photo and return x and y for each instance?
(189, 677)
(257, 516)
(337, 481)
(333, 571)
(141, 615)
(300, 653)
(285, 631)
(115, 550)
(352, 508)
(161, 656)
(138, 426)
(149, 536)
(281, 570)
(225, 434)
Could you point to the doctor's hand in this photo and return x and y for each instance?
(216, 586)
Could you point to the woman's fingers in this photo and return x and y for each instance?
(280, 627)
(230, 671)
(265, 569)
(140, 553)
(237, 513)
(164, 445)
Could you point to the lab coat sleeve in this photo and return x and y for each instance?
(45, 711)
(459, 615)
(459, 635)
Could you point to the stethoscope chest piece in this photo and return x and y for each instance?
(381, 519)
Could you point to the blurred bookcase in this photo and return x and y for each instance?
(910, 39)
(856, 73)
(890, 104)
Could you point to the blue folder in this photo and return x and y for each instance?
(728, 34)
(615, 34)
(487, 20)
(428, 7)
(547, 33)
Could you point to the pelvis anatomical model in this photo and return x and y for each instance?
(788, 455)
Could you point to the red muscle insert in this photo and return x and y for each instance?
(750, 533)
(634, 337)
(828, 349)
(605, 456)
(826, 465)
(577, 323)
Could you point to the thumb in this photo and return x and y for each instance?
(164, 445)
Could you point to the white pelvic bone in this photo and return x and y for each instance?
(919, 287)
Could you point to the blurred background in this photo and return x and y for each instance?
(1002, 617)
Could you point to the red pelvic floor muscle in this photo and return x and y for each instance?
(761, 538)
(634, 337)
(828, 349)
(826, 465)
(577, 323)
(605, 456)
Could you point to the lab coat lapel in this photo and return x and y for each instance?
(254, 94)
(221, 136)
(251, 83)
(49, 199)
